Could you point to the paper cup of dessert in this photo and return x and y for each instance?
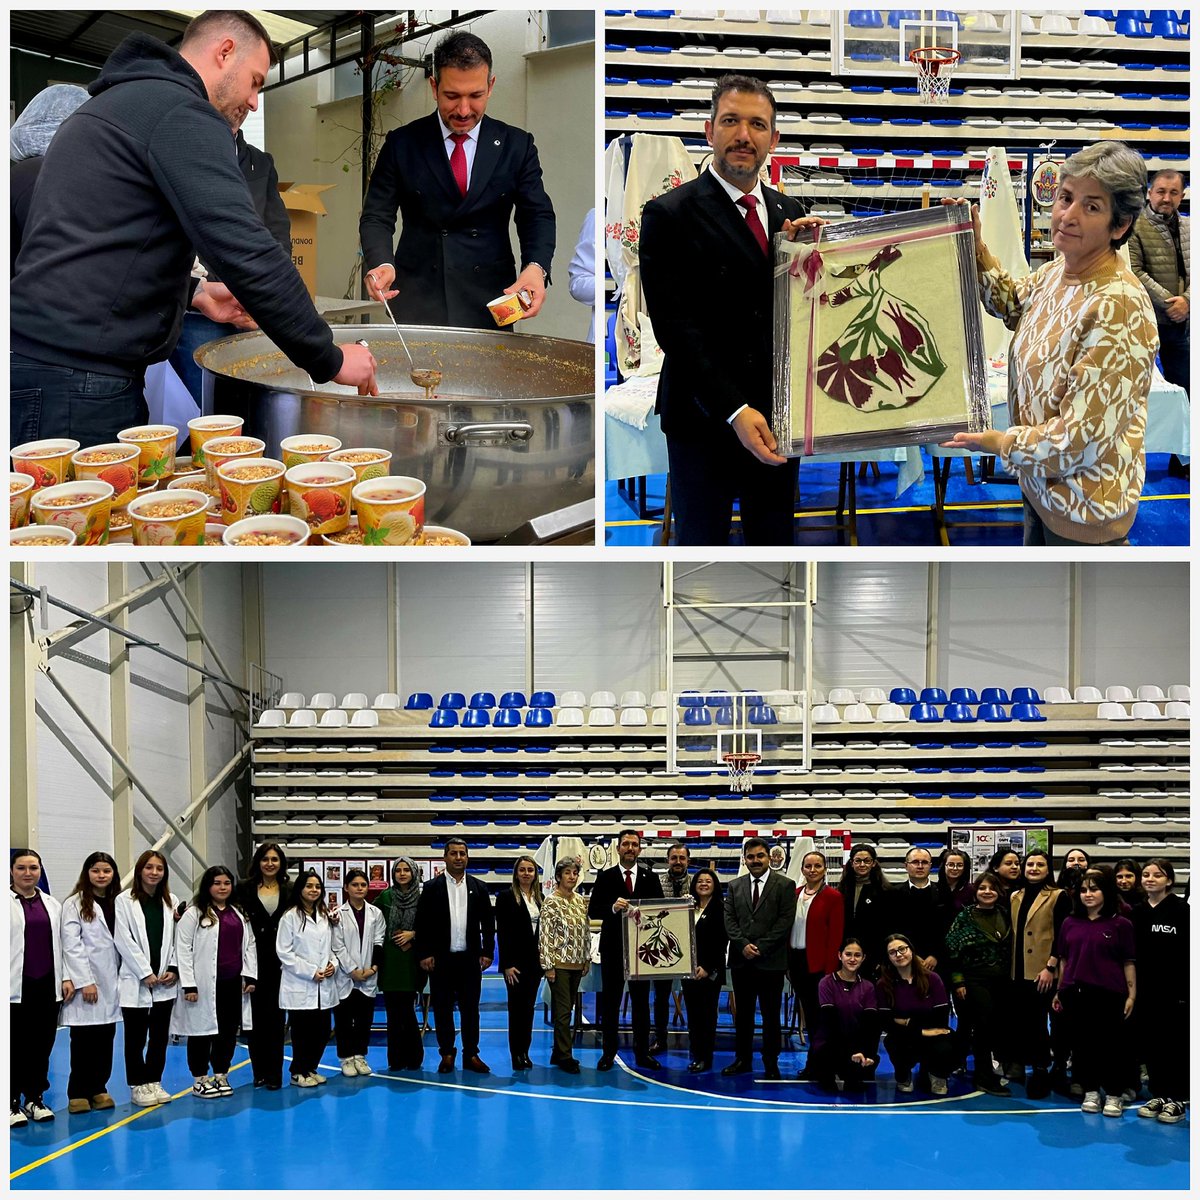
(156, 450)
(82, 507)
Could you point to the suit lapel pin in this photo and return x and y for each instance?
(496, 142)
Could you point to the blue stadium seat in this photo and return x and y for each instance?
(507, 718)
(763, 714)
(419, 700)
(513, 700)
(697, 716)
(443, 718)
(994, 696)
(476, 718)
(865, 18)
(538, 717)
(902, 696)
(963, 696)
(453, 700)
(933, 695)
(959, 712)
(542, 700)
(483, 700)
(1025, 695)
(993, 712)
(1026, 712)
(924, 712)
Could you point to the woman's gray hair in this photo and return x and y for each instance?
(1121, 172)
(563, 864)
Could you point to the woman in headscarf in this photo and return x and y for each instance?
(27, 143)
(400, 975)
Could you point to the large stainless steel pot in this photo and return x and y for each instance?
(509, 435)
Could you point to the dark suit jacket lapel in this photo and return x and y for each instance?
(433, 150)
(487, 154)
(773, 203)
(717, 210)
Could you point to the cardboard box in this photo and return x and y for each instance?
(304, 205)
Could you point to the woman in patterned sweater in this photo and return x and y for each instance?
(1081, 359)
(565, 952)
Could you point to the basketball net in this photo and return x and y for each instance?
(741, 769)
(935, 65)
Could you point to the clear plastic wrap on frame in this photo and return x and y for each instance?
(878, 338)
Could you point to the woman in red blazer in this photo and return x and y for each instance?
(816, 934)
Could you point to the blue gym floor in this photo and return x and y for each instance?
(545, 1129)
(883, 520)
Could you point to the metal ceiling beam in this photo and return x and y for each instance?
(65, 44)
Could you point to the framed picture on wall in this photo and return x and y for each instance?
(660, 940)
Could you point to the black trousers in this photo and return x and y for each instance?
(352, 1024)
(705, 478)
(1164, 1046)
(804, 985)
(146, 1031)
(1096, 1027)
(702, 998)
(405, 1050)
(522, 1001)
(662, 1009)
(32, 1024)
(217, 1048)
(456, 979)
(906, 1048)
(1173, 351)
(1029, 1040)
(980, 1019)
(831, 1055)
(612, 985)
(751, 985)
(265, 1040)
(310, 1036)
(91, 1060)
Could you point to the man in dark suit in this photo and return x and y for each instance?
(915, 908)
(457, 177)
(614, 892)
(760, 908)
(707, 276)
(455, 942)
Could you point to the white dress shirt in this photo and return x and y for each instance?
(456, 893)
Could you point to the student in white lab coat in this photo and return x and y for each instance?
(36, 987)
(308, 991)
(358, 948)
(148, 979)
(92, 963)
(218, 966)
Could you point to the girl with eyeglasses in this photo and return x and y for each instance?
(1097, 991)
(914, 1012)
(863, 888)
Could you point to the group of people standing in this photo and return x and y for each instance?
(1079, 980)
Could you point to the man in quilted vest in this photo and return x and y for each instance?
(1159, 254)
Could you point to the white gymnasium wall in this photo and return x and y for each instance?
(1135, 617)
(74, 772)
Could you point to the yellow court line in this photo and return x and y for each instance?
(916, 508)
(91, 1137)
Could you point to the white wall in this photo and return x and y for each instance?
(74, 773)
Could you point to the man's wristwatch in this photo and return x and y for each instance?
(545, 273)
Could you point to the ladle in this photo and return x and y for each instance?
(426, 378)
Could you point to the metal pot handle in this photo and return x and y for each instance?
(513, 431)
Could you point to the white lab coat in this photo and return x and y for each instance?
(16, 944)
(133, 945)
(196, 953)
(352, 952)
(90, 956)
(303, 951)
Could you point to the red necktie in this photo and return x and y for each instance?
(750, 204)
(754, 902)
(458, 161)
(629, 882)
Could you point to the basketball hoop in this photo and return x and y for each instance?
(741, 769)
(935, 65)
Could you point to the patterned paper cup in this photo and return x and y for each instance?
(157, 446)
(218, 451)
(320, 495)
(307, 448)
(81, 507)
(507, 309)
(113, 462)
(391, 510)
(369, 462)
(350, 536)
(197, 481)
(20, 492)
(43, 536)
(250, 487)
(204, 429)
(120, 527)
(48, 461)
(274, 531)
(439, 535)
(214, 533)
(174, 517)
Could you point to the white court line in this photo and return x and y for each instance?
(816, 1108)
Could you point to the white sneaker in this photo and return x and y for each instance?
(317, 1077)
(303, 1081)
(904, 1081)
(1091, 1102)
(938, 1086)
(205, 1088)
(364, 1067)
(1113, 1107)
(37, 1110)
(349, 1065)
(221, 1083)
(1152, 1107)
(159, 1093)
(1173, 1112)
(17, 1117)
